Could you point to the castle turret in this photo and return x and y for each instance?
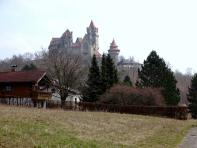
(92, 33)
(85, 47)
(67, 38)
(114, 51)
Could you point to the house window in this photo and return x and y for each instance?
(8, 88)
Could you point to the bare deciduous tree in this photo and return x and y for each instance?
(66, 71)
(183, 83)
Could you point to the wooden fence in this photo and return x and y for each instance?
(177, 112)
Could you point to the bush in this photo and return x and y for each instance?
(124, 95)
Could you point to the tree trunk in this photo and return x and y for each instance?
(64, 95)
(62, 103)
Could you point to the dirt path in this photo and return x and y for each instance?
(190, 140)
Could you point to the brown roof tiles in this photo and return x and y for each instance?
(21, 76)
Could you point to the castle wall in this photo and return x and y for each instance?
(86, 47)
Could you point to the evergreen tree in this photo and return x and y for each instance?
(29, 67)
(192, 97)
(152, 71)
(171, 92)
(111, 72)
(127, 81)
(93, 89)
(103, 73)
(116, 80)
(155, 73)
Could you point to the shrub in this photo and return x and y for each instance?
(125, 95)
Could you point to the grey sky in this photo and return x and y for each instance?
(138, 26)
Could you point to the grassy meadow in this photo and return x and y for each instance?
(40, 128)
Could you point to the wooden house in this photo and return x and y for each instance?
(33, 85)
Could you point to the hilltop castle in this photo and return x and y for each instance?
(86, 46)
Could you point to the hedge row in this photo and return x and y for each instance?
(177, 112)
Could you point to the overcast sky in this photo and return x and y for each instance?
(138, 26)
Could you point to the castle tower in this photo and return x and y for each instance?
(92, 34)
(67, 38)
(114, 52)
(85, 47)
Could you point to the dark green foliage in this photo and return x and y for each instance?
(156, 74)
(152, 72)
(127, 81)
(192, 96)
(98, 82)
(171, 92)
(103, 73)
(111, 72)
(28, 67)
(93, 89)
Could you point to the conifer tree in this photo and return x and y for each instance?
(192, 96)
(155, 73)
(170, 91)
(127, 81)
(104, 73)
(93, 89)
(111, 72)
(28, 67)
(152, 71)
(116, 80)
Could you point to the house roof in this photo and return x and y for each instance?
(22, 76)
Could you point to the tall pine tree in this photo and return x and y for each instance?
(104, 73)
(93, 89)
(155, 73)
(192, 96)
(111, 72)
(152, 71)
(171, 92)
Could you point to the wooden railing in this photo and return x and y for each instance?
(39, 95)
(178, 112)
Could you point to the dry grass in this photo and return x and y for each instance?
(29, 127)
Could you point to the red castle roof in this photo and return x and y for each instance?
(113, 46)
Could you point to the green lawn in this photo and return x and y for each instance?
(29, 127)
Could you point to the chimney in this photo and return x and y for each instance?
(13, 68)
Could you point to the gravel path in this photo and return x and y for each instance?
(190, 140)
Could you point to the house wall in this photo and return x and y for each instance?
(15, 90)
(70, 98)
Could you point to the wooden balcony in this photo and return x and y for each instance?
(39, 95)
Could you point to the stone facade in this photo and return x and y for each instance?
(86, 47)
